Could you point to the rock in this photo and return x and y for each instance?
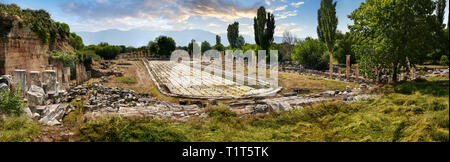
(20, 78)
(260, 109)
(4, 87)
(53, 115)
(28, 113)
(290, 94)
(212, 102)
(35, 96)
(49, 81)
(35, 78)
(329, 93)
(363, 86)
(348, 89)
(199, 103)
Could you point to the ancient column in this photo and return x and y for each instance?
(413, 73)
(20, 79)
(347, 74)
(378, 75)
(67, 77)
(78, 74)
(35, 78)
(49, 81)
(331, 66)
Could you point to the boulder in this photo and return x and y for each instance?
(35, 96)
(53, 114)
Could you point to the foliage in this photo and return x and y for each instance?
(126, 80)
(166, 45)
(311, 53)
(444, 60)
(240, 42)
(287, 46)
(17, 129)
(233, 34)
(327, 19)
(389, 38)
(205, 46)
(76, 42)
(220, 111)
(191, 45)
(118, 129)
(153, 46)
(393, 117)
(39, 21)
(343, 48)
(264, 27)
(68, 58)
(105, 50)
(218, 46)
(11, 102)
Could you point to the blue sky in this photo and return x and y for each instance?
(296, 16)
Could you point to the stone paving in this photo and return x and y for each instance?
(179, 80)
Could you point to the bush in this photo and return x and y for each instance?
(11, 103)
(123, 129)
(444, 60)
(17, 129)
(311, 53)
(220, 111)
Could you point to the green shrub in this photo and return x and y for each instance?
(11, 103)
(220, 111)
(17, 129)
(123, 129)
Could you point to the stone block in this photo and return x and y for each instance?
(35, 77)
(20, 78)
(49, 81)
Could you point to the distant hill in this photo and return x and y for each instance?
(138, 37)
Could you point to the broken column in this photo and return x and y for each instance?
(20, 79)
(35, 97)
(347, 74)
(35, 78)
(49, 82)
(66, 78)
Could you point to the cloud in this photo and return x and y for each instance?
(297, 4)
(170, 11)
(213, 25)
(268, 2)
(291, 27)
(281, 8)
(286, 14)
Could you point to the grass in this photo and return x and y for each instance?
(125, 80)
(17, 129)
(408, 114)
(290, 81)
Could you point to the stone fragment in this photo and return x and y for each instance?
(49, 82)
(35, 96)
(35, 77)
(212, 102)
(20, 78)
(53, 115)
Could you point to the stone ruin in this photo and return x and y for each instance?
(44, 95)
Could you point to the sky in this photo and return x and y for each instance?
(297, 16)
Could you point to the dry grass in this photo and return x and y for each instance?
(294, 81)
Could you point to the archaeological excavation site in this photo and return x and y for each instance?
(59, 85)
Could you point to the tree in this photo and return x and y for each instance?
(343, 48)
(326, 30)
(392, 34)
(240, 42)
(76, 42)
(205, 46)
(219, 46)
(154, 48)
(218, 40)
(310, 53)
(191, 46)
(440, 11)
(166, 45)
(287, 46)
(233, 34)
(264, 27)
